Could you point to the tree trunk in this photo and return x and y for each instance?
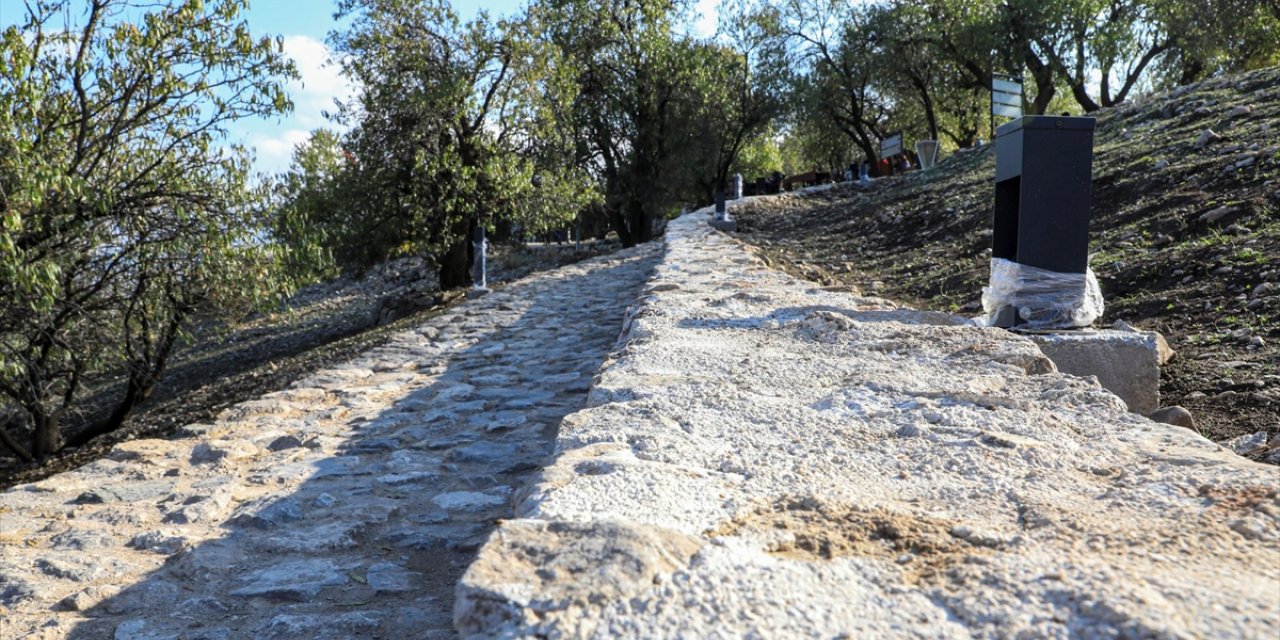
(1042, 74)
(618, 222)
(1131, 78)
(144, 378)
(926, 101)
(1081, 94)
(1192, 70)
(868, 149)
(455, 264)
(44, 435)
(136, 390)
(9, 442)
(638, 222)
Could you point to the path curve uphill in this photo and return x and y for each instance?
(346, 506)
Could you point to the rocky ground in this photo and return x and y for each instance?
(345, 505)
(321, 325)
(1185, 234)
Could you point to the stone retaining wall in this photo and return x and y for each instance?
(764, 458)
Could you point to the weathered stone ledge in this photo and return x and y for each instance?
(761, 457)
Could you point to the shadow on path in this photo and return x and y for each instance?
(379, 477)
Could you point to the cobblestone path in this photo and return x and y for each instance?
(344, 507)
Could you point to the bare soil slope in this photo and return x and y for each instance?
(1185, 234)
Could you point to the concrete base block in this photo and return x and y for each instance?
(1126, 363)
(724, 225)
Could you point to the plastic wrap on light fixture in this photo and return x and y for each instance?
(1043, 299)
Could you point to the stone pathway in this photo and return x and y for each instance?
(767, 458)
(347, 506)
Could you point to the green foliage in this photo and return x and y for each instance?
(633, 76)
(815, 143)
(1214, 37)
(657, 117)
(727, 106)
(925, 66)
(453, 127)
(760, 156)
(119, 215)
(309, 212)
(572, 106)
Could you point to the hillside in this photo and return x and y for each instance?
(1184, 237)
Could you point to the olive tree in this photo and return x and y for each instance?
(449, 131)
(738, 93)
(630, 71)
(121, 213)
(658, 116)
(310, 217)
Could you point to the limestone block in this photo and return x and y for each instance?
(1126, 363)
(297, 580)
(533, 570)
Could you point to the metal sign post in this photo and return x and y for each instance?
(722, 220)
(927, 152)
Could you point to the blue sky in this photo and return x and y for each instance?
(304, 25)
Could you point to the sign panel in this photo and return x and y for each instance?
(927, 151)
(1006, 96)
(1007, 99)
(1006, 111)
(1006, 86)
(891, 146)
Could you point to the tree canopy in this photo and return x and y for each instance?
(612, 108)
(120, 216)
(925, 66)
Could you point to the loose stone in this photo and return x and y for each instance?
(1175, 415)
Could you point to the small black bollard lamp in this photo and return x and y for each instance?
(722, 220)
(1040, 277)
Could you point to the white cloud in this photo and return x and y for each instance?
(313, 93)
(320, 83)
(705, 25)
(275, 151)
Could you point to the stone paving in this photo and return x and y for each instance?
(347, 506)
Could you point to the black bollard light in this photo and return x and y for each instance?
(722, 220)
(1040, 275)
